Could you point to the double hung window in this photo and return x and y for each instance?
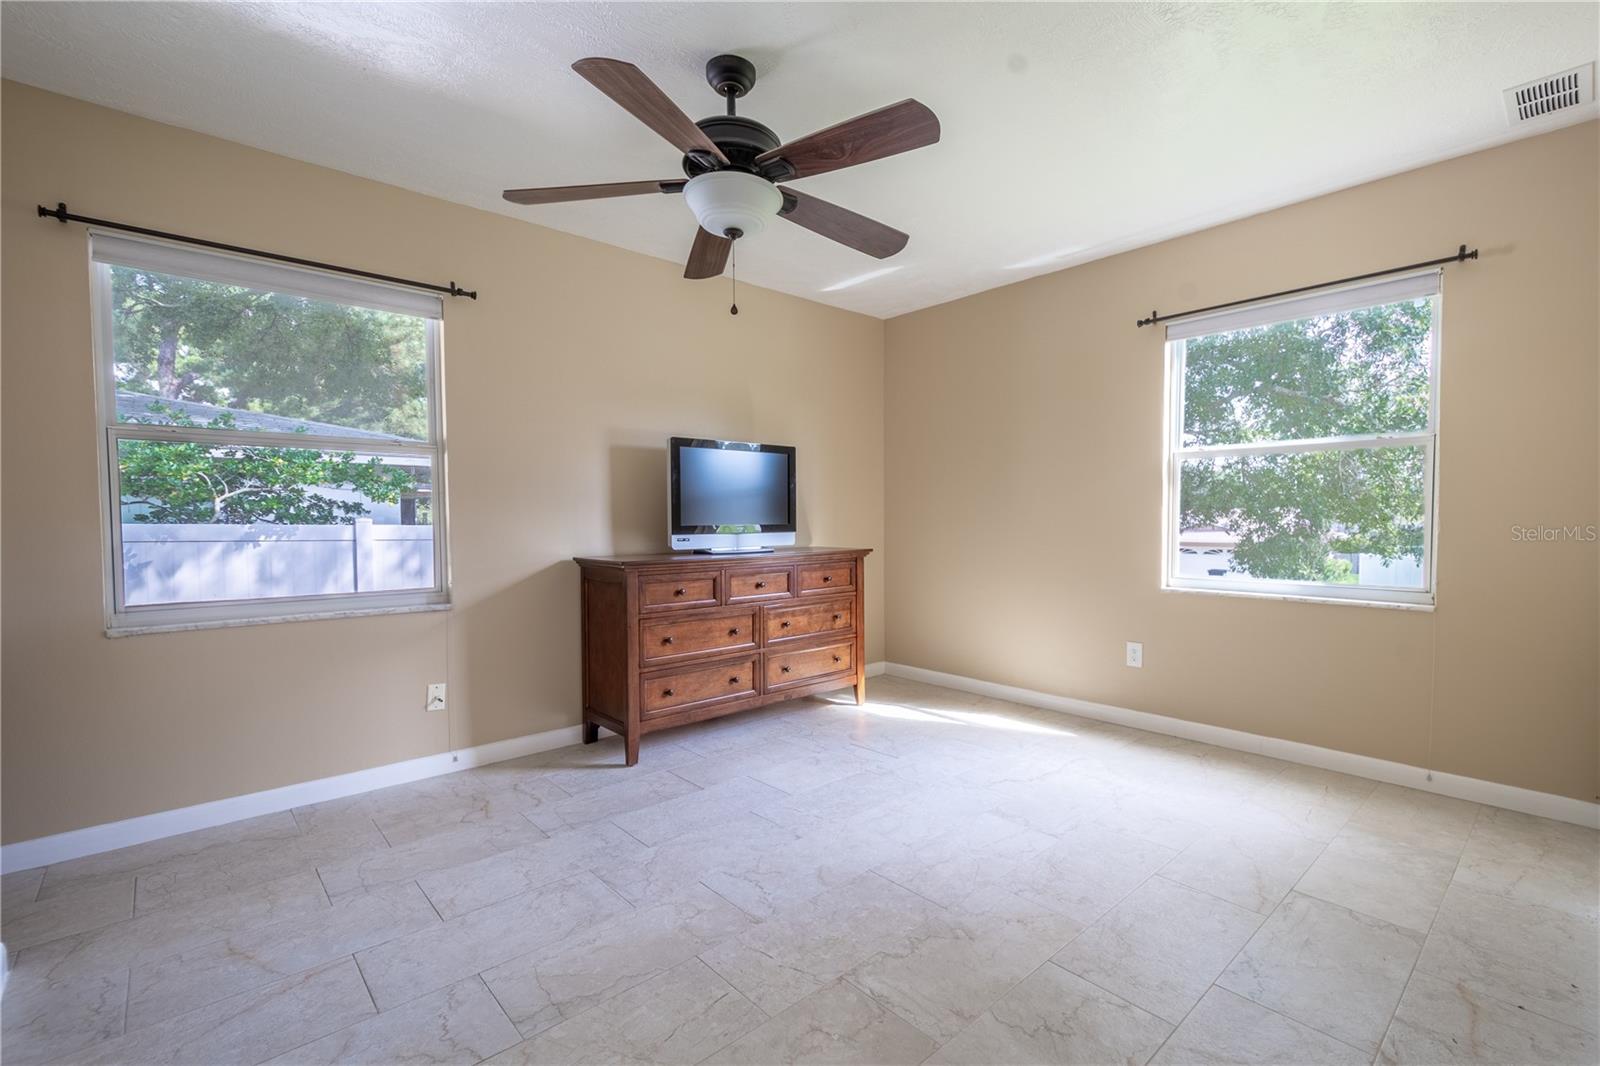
(272, 438)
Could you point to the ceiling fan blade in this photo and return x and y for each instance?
(560, 194)
(641, 98)
(841, 224)
(884, 132)
(709, 255)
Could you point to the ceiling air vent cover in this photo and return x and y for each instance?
(1558, 92)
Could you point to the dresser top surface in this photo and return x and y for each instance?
(776, 555)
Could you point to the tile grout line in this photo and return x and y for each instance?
(515, 1028)
(429, 898)
(612, 821)
(307, 1043)
(127, 1000)
(1295, 889)
(1100, 917)
(1235, 956)
(324, 885)
(1410, 974)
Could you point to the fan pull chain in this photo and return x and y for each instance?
(733, 278)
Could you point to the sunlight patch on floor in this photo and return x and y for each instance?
(907, 711)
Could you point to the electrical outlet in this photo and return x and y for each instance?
(436, 697)
(1136, 655)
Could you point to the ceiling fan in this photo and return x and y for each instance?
(733, 163)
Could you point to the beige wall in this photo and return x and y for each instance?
(1024, 484)
(563, 382)
(1021, 425)
(1024, 451)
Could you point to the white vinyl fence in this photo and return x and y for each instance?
(1370, 569)
(189, 563)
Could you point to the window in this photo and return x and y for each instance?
(1301, 455)
(272, 439)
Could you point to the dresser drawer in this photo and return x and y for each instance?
(808, 619)
(672, 638)
(828, 577)
(662, 693)
(688, 590)
(808, 664)
(746, 585)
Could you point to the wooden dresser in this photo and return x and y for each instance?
(677, 638)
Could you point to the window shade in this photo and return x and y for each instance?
(1326, 302)
(268, 277)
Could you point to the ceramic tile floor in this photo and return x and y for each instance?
(932, 877)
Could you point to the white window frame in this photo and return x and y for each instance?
(122, 619)
(1324, 301)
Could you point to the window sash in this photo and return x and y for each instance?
(1307, 589)
(1307, 444)
(1349, 298)
(249, 438)
(121, 616)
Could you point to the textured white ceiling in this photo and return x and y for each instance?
(1071, 131)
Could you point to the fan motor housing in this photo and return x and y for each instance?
(741, 140)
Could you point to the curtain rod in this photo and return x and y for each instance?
(1461, 256)
(62, 215)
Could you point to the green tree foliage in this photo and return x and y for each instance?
(184, 339)
(1337, 375)
(171, 482)
(274, 353)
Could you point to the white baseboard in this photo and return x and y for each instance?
(91, 840)
(1491, 793)
(27, 854)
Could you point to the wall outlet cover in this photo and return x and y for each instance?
(436, 700)
(1135, 654)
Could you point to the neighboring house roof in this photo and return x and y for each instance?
(136, 406)
(1209, 537)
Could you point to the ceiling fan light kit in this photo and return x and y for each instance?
(733, 163)
(732, 203)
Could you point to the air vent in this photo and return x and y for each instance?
(1558, 92)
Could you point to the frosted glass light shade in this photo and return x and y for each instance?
(731, 199)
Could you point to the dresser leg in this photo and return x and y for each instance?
(591, 732)
(632, 744)
(861, 691)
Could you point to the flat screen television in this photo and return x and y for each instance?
(729, 495)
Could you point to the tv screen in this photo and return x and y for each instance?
(731, 487)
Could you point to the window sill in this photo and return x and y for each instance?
(1335, 601)
(134, 630)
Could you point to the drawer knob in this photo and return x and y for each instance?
(837, 617)
(783, 625)
(679, 592)
(666, 640)
(785, 669)
(733, 680)
(761, 584)
(836, 658)
(666, 692)
(733, 632)
(826, 578)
